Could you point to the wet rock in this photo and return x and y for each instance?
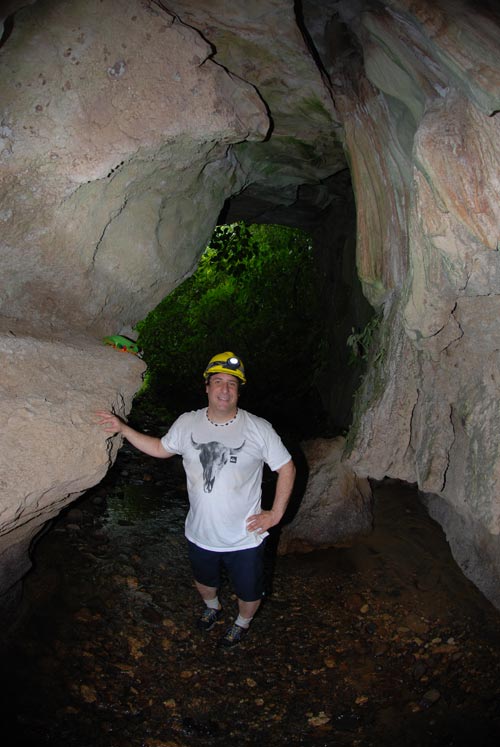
(430, 698)
(416, 624)
(354, 602)
(337, 505)
(75, 516)
(419, 670)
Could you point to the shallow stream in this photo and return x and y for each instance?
(383, 643)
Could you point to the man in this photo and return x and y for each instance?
(224, 449)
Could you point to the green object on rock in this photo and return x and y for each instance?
(124, 344)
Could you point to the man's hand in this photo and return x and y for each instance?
(111, 423)
(262, 522)
(148, 444)
(266, 519)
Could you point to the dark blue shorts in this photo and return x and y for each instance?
(245, 569)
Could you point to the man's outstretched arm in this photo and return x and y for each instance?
(148, 444)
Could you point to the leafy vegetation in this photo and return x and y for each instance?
(253, 293)
(360, 343)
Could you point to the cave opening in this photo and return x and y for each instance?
(294, 310)
(254, 292)
(257, 291)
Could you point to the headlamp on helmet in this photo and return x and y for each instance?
(228, 363)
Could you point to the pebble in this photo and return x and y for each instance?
(416, 624)
(75, 515)
(419, 670)
(319, 720)
(430, 697)
(380, 649)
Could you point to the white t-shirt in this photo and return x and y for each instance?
(224, 467)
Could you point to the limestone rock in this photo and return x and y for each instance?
(475, 549)
(428, 408)
(264, 44)
(337, 505)
(115, 122)
(52, 449)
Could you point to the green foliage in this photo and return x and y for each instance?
(370, 345)
(360, 343)
(253, 293)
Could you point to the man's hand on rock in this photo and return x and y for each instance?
(111, 423)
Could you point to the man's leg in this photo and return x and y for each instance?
(248, 609)
(246, 570)
(206, 566)
(208, 594)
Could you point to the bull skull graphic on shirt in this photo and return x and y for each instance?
(213, 457)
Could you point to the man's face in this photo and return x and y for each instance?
(223, 390)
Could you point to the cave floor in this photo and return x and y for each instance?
(383, 643)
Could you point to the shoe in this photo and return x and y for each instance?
(208, 619)
(233, 636)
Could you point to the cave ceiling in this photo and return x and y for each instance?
(293, 171)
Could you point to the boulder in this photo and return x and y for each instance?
(52, 447)
(337, 505)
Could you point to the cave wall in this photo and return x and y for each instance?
(50, 386)
(428, 258)
(127, 126)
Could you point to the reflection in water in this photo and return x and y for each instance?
(157, 509)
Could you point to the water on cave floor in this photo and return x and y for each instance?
(382, 643)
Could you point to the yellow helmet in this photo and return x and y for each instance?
(228, 363)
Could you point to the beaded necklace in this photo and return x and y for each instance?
(220, 425)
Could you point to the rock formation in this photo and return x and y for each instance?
(127, 126)
(425, 170)
(337, 505)
(51, 385)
